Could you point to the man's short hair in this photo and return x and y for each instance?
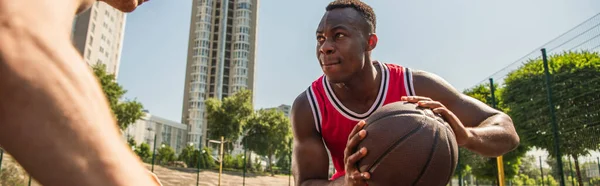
(365, 10)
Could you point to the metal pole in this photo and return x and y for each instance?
(499, 159)
(154, 152)
(554, 123)
(598, 162)
(1, 156)
(221, 160)
(290, 164)
(571, 171)
(541, 171)
(29, 184)
(198, 168)
(245, 162)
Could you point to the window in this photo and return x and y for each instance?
(101, 49)
(91, 40)
(93, 27)
(88, 54)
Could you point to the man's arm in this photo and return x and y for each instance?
(492, 132)
(54, 118)
(310, 161)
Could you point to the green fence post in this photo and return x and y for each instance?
(290, 164)
(571, 171)
(245, 162)
(598, 162)
(154, 152)
(554, 123)
(541, 171)
(1, 156)
(199, 155)
(29, 184)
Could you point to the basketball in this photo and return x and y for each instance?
(408, 145)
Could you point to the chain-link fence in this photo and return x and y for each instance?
(214, 164)
(553, 96)
(190, 167)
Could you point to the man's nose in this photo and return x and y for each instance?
(327, 48)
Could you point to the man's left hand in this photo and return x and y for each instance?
(462, 133)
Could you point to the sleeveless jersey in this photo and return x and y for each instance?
(335, 122)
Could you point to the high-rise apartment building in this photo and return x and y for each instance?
(221, 57)
(98, 35)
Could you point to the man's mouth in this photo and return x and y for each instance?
(331, 63)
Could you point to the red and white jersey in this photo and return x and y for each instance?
(335, 122)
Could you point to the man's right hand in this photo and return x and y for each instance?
(352, 156)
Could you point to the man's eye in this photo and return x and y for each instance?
(339, 35)
(320, 38)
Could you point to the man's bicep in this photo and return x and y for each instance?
(310, 159)
(469, 110)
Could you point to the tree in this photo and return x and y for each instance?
(187, 156)
(487, 168)
(126, 112)
(227, 117)
(284, 156)
(575, 83)
(166, 154)
(530, 166)
(268, 131)
(143, 151)
(131, 142)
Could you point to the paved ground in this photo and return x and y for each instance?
(187, 177)
(168, 177)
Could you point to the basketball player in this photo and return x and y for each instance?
(329, 115)
(54, 118)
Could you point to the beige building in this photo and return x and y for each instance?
(285, 109)
(221, 57)
(167, 132)
(98, 35)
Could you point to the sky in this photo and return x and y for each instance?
(462, 41)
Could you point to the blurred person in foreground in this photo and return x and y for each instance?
(54, 118)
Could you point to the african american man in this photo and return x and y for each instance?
(330, 113)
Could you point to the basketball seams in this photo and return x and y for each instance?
(377, 161)
(433, 148)
(397, 113)
(450, 147)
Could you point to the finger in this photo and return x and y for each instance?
(353, 142)
(446, 114)
(413, 99)
(352, 159)
(356, 129)
(430, 104)
(357, 176)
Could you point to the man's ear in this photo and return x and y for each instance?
(372, 43)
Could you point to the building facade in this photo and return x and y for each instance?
(221, 57)
(98, 35)
(285, 109)
(167, 132)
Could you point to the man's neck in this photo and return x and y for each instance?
(363, 87)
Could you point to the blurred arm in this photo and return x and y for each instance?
(54, 118)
